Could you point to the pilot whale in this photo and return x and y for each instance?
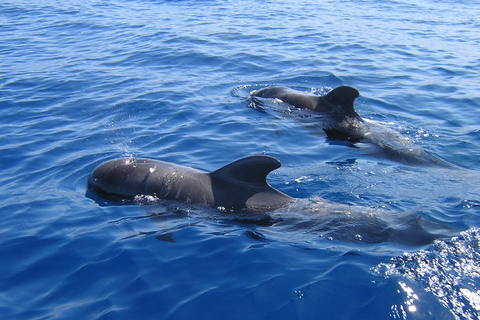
(239, 185)
(340, 121)
(240, 189)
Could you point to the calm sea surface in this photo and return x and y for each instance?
(87, 81)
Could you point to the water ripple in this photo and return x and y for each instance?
(85, 82)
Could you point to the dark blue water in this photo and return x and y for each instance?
(83, 82)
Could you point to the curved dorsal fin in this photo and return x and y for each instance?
(343, 96)
(252, 170)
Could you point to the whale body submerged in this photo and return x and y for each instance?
(340, 121)
(239, 185)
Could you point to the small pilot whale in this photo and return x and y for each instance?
(239, 185)
(340, 121)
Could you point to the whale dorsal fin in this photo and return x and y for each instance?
(344, 97)
(252, 170)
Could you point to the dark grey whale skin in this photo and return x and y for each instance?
(239, 185)
(340, 121)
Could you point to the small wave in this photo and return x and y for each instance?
(450, 270)
(244, 91)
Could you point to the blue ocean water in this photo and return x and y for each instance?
(87, 81)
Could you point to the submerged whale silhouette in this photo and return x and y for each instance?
(340, 121)
(239, 185)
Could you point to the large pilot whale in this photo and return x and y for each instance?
(239, 185)
(340, 121)
(240, 189)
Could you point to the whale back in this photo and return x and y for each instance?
(293, 97)
(243, 184)
(338, 101)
